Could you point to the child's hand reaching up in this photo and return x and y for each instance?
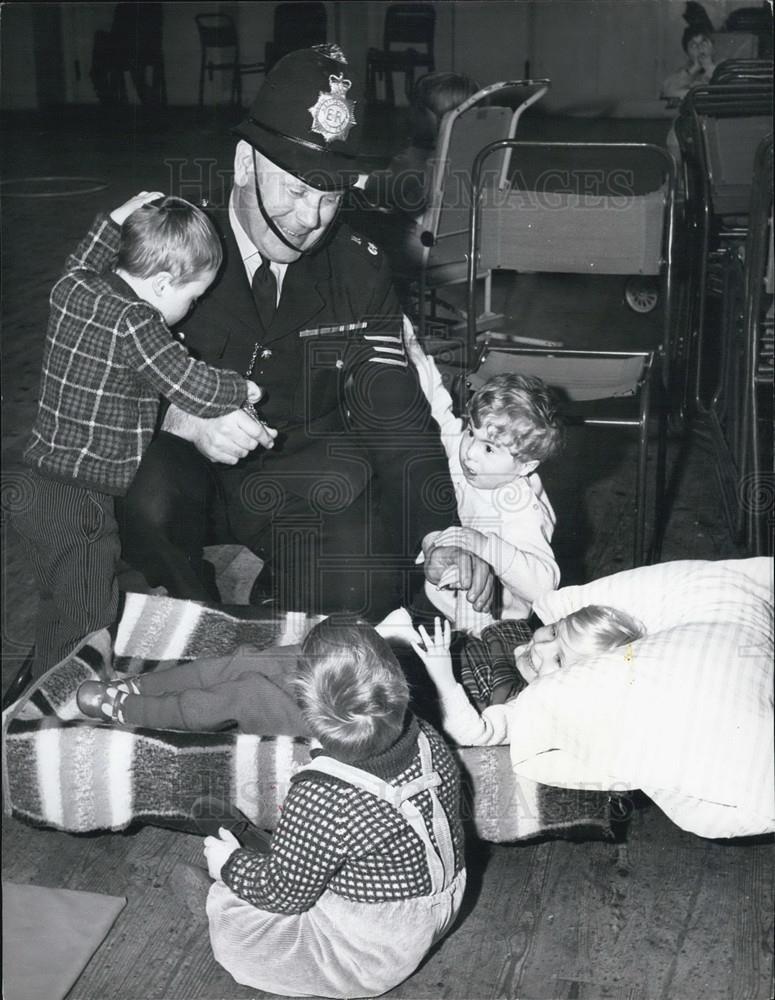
(434, 653)
(413, 347)
(218, 850)
(121, 214)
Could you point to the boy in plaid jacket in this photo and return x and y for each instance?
(109, 356)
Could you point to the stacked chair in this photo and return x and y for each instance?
(719, 129)
(725, 134)
(737, 412)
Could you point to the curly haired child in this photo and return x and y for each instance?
(511, 426)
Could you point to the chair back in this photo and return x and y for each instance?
(463, 132)
(735, 45)
(754, 20)
(216, 31)
(616, 231)
(136, 33)
(743, 71)
(547, 222)
(298, 25)
(719, 128)
(410, 25)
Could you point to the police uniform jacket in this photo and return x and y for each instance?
(346, 403)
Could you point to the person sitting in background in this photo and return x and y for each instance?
(393, 200)
(405, 184)
(697, 43)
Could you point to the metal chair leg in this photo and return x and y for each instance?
(640, 480)
(661, 479)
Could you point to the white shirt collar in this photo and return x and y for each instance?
(251, 258)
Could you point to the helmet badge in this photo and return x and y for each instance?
(333, 115)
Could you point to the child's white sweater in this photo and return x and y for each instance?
(516, 519)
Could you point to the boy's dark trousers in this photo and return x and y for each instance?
(71, 540)
(250, 687)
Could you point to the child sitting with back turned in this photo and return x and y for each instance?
(365, 871)
(511, 426)
(585, 633)
(109, 356)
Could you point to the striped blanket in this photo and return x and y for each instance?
(79, 775)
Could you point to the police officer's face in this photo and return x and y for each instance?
(300, 212)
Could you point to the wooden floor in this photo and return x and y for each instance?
(666, 916)
(663, 916)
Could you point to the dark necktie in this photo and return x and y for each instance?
(264, 287)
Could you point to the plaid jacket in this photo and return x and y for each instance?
(108, 358)
(335, 836)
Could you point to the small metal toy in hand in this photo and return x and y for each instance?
(258, 351)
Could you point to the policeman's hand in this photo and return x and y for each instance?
(224, 439)
(120, 214)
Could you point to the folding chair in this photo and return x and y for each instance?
(576, 233)
(547, 220)
(297, 25)
(719, 128)
(444, 225)
(407, 25)
(135, 46)
(220, 50)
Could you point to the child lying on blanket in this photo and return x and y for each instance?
(585, 633)
(252, 689)
(365, 871)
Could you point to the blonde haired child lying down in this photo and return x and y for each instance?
(585, 633)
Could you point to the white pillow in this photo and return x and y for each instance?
(687, 717)
(672, 593)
